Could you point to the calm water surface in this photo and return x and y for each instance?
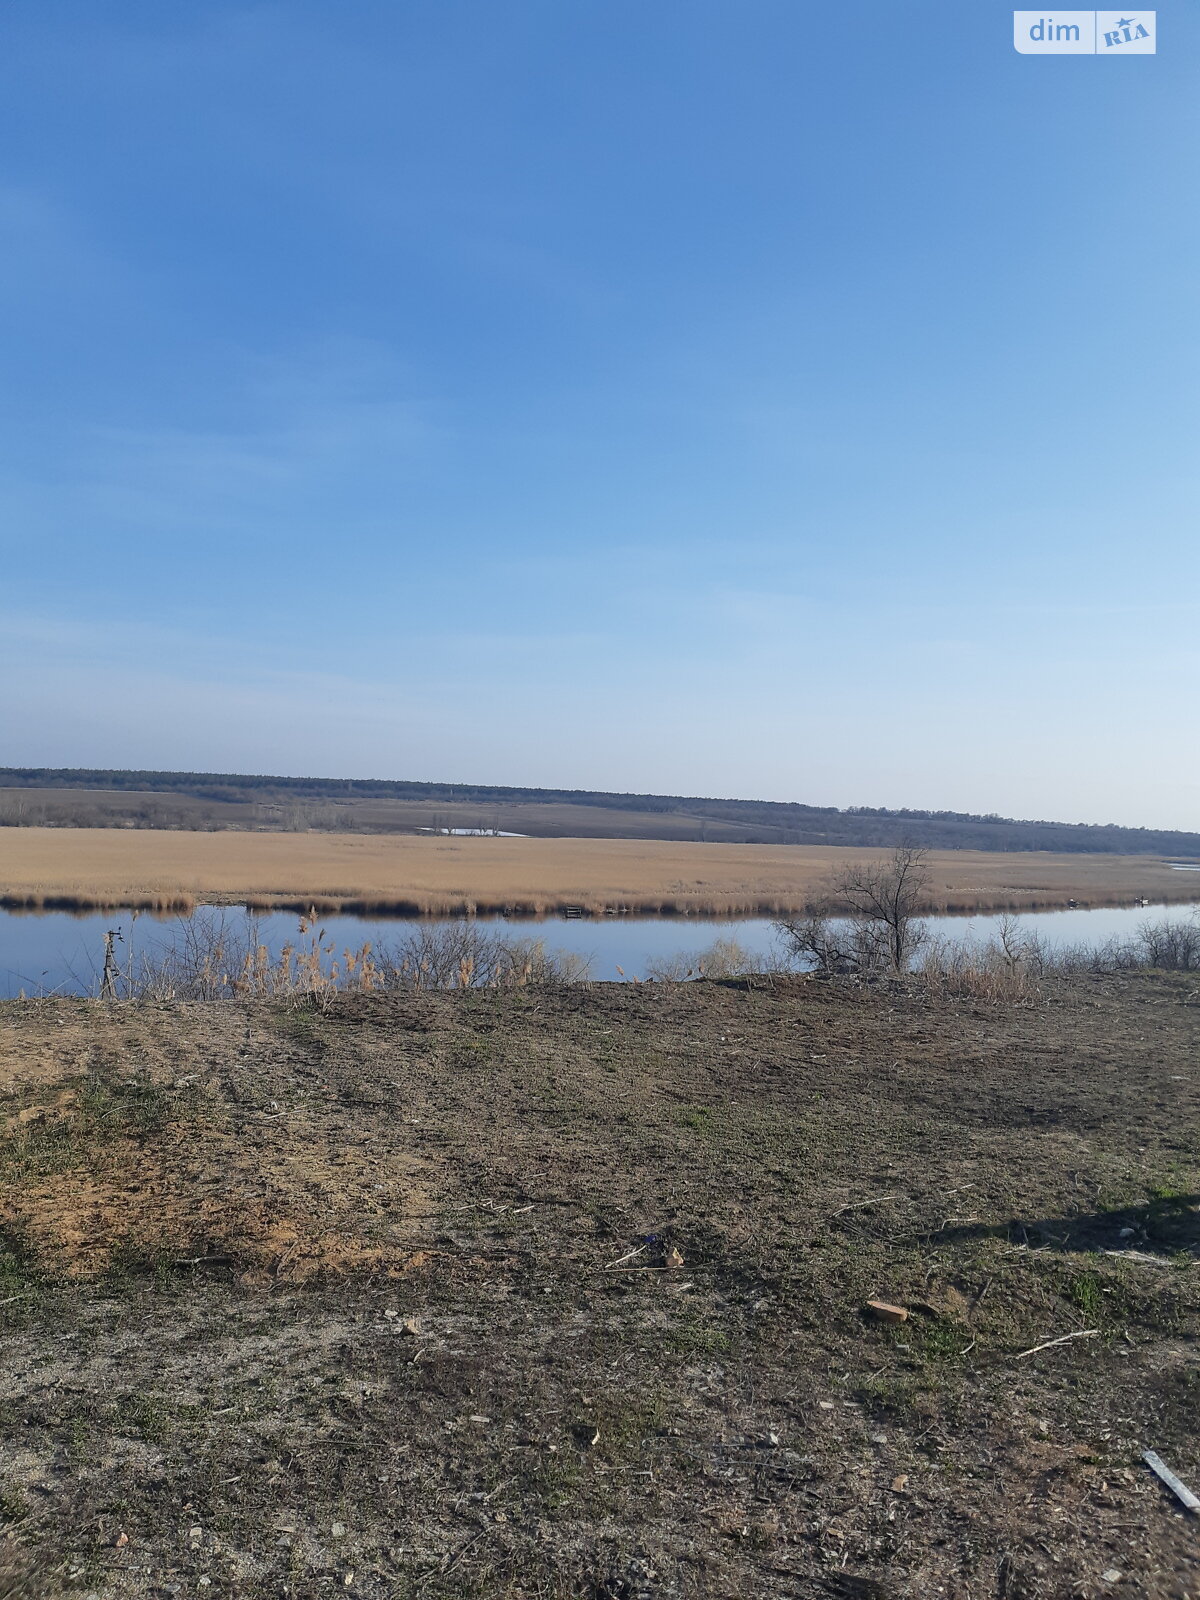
(51, 952)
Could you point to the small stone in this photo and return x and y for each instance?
(825, 1405)
(338, 1530)
(879, 1438)
(1113, 1575)
(476, 1417)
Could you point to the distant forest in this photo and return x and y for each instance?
(352, 802)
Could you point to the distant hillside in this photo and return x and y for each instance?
(87, 797)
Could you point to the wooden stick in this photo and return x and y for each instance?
(1180, 1490)
(1085, 1333)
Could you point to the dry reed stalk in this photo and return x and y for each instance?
(91, 869)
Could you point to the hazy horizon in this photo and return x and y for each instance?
(522, 789)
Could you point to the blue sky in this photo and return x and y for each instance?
(767, 400)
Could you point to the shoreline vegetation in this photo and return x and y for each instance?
(171, 873)
(217, 961)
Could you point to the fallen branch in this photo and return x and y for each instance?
(1142, 1256)
(875, 1200)
(1180, 1490)
(1085, 1333)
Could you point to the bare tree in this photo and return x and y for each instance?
(879, 901)
(887, 895)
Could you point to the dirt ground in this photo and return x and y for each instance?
(564, 1293)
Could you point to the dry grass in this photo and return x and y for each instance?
(82, 868)
(209, 960)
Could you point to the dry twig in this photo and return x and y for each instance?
(1084, 1333)
(875, 1200)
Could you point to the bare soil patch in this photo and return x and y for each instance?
(564, 1293)
(137, 1162)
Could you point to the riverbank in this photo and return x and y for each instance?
(366, 874)
(566, 1292)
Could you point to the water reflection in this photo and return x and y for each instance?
(61, 952)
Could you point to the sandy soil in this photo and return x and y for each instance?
(565, 1293)
(360, 871)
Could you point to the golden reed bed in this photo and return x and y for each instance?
(82, 868)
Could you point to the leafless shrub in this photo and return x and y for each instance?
(1006, 968)
(724, 958)
(463, 955)
(833, 946)
(1174, 946)
(1013, 965)
(1171, 945)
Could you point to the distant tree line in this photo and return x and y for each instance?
(763, 821)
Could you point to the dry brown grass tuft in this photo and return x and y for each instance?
(83, 869)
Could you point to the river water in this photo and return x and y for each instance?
(58, 952)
